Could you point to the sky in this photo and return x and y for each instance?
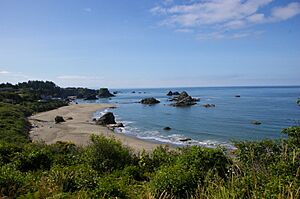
(151, 43)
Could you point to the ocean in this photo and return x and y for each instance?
(231, 118)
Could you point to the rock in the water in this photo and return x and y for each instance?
(255, 122)
(183, 95)
(104, 93)
(133, 92)
(59, 119)
(112, 126)
(107, 118)
(237, 96)
(170, 93)
(150, 100)
(185, 139)
(184, 100)
(298, 102)
(209, 105)
(167, 128)
(91, 97)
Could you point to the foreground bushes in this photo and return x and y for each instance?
(106, 169)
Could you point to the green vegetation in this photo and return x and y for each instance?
(39, 90)
(107, 169)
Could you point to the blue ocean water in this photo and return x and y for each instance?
(230, 120)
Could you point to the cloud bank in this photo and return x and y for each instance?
(222, 18)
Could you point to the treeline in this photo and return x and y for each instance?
(43, 90)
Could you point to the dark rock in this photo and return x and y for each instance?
(170, 93)
(183, 95)
(91, 97)
(112, 126)
(104, 93)
(59, 119)
(150, 100)
(107, 118)
(298, 101)
(184, 100)
(185, 139)
(133, 92)
(167, 128)
(94, 119)
(255, 122)
(69, 118)
(209, 105)
(237, 96)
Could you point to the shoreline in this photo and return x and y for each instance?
(79, 129)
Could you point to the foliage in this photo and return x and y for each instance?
(14, 127)
(106, 155)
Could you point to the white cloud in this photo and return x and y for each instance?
(285, 12)
(184, 30)
(72, 77)
(3, 72)
(221, 15)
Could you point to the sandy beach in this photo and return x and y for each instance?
(78, 129)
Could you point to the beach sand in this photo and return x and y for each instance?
(79, 129)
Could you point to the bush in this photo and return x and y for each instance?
(175, 180)
(111, 187)
(108, 154)
(8, 152)
(14, 127)
(11, 181)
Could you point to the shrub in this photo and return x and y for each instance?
(11, 181)
(108, 154)
(35, 159)
(111, 187)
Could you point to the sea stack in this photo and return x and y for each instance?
(150, 101)
(104, 93)
(106, 119)
(184, 100)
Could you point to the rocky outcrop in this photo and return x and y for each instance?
(184, 100)
(170, 93)
(106, 119)
(209, 105)
(167, 128)
(298, 101)
(185, 139)
(150, 100)
(113, 126)
(255, 122)
(237, 96)
(59, 119)
(91, 97)
(104, 93)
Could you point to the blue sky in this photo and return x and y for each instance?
(150, 43)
